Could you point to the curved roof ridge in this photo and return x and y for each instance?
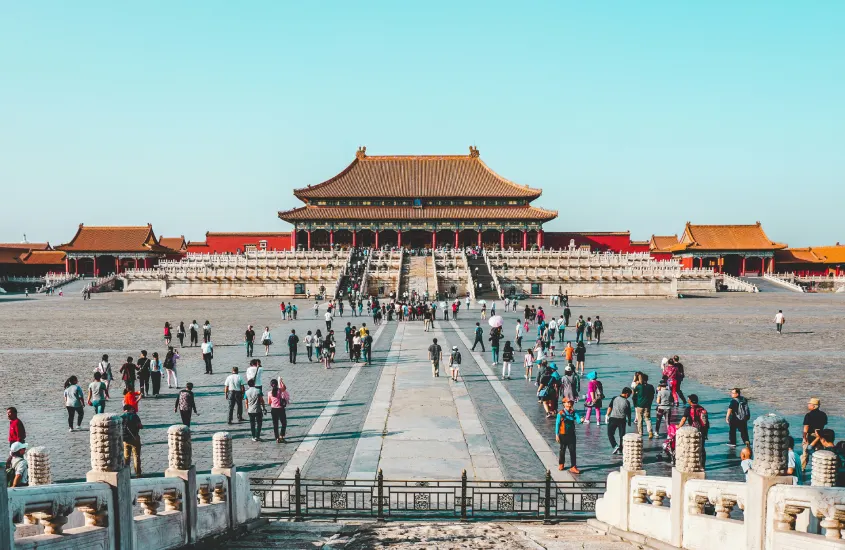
(506, 180)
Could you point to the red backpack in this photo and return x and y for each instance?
(700, 419)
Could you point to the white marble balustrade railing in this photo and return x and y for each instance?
(823, 508)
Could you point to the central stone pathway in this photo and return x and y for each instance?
(429, 427)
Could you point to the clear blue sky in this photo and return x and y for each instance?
(199, 116)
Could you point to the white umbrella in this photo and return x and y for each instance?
(482, 301)
(496, 321)
(443, 304)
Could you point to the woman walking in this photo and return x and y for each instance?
(180, 334)
(279, 399)
(185, 404)
(507, 360)
(528, 363)
(580, 356)
(266, 340)
(98, 392)
(309, 345)
(194, 333)
(595, 393)
(206, 330)
(104, 368)
(170, 367)
(155, 374)
(74, 399)
(168, 336)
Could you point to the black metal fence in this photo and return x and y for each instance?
(462, 500)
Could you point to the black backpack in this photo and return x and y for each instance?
(457, 357)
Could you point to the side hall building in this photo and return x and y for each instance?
(417, 202)
(733, 249)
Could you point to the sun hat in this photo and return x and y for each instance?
(592, 375)
(814, 401)
(17, 446)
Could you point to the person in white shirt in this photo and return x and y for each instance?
(233, 390)
(552, 329)
(309, 345)
(518, 336)
(266, 340)
(207, 354)
(74, 402)
(104, 368)
(779, 321)
(328, 318)
(254, 372)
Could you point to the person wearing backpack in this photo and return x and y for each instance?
(132, 438)
(595, 393)
(565, 434)
(455, 363)
(17, 467)
(737, 418)
(696, 416)
(598, 327)
(618, 412)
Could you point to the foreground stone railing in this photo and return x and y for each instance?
(766, 512)
(110, 510)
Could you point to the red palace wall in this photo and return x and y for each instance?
(234, 243)
(598, 242)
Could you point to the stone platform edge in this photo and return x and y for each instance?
(641, 541)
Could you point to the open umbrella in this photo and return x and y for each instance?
(443, 304)
(496, 321)
(482, 301)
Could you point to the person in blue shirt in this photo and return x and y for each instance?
(565, 434)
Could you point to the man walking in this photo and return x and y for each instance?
(580, 327)
(328, 318)
(565, 434)
(129, 373)
(17, 432)
(256, 409)
(434, 352)
(132, 438)
(249, 339)
(232, 390)
(696, 416)
(293, 346)
(618, 413)
(207, 354)
(737, 418)
(779, 321)
(643, 397)
(185, 404)
(598, 327)
(479, 337)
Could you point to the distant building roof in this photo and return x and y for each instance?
(114, 239)
(27, 246)
(177, 244)
(812, 255)
(724, 237)
(662, 243)
(11, 255)
(245, 234)
(413, 213)
(43, 257)
(416, 177)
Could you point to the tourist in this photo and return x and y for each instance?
(279, 399)
(293, 346)
(155, 374)
(266, 341)
(674, 377)
(518, 335)
(206, 330)
(566, 315)
(664, 406)
(455, 363)
(737, 418)
(132, 438)
(507, 360)
(98, 392)
(129, 373)
(561, 329)
(294, 310)
(598, 327)
(483, 310)
(547, 392)
(17, 431)
(180, 334)
(17, 466)
(232, 389)
(552, 328)
(255, 372)
(328, 318)
(309, 345)
(255, 408)
(580, 356)
(207, 354)
(589, 330)
(426, 319)
(791, 461)
(618, 413)
(569, 353)
(528, 363)
(495, 336)
(696, 416)
(283, 309)
(355, 356)
(746, 462)
(194, 328)
(643, 398)
(367, 348)
(814, 421)
(330, 341)
(74, 402)
(466, 301)
(595, 393)
(565, 435)
(185, 404)
(249, 340)
(539, 358)
(168, 336)
(316, 307)
(479, 337)
(144, 372)
(170, 367)
(104, 368)
(779, 321)
(570, 386)
(580, 327)
(434, 352)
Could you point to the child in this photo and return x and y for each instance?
(745, 455)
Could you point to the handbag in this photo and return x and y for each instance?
(542, 394)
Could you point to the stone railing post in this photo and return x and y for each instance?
(823, 475)
(7, 528)
(687, 466)
(632, 465)
(768, 469)
(107, 466)
(180, 464)
(39, 467)
(223, 464)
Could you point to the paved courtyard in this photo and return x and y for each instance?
(393, 415)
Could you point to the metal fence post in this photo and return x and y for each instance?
(297, 490)
(547, 509)
(463, 495)
(380, 493)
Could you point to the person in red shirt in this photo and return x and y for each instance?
(131, 398)
(17, 433)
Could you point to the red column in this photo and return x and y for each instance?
(376, 239)
(502, 240)
(309, 240)
(76, 266)
(433, 240)
(398, 238)
(479, 237)
(331, 238)
(95, 266)
(742, 267)
(540, 238)
(456, 238)
(772, 264)
(117, 264)
(524, 239)
(67, 264)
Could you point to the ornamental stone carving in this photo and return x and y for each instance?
(222, 450)
(770, 447)
(179, 447)
(688, 450)
(632, 452)
(39, 466)
(106, 439)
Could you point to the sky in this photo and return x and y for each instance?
(204, 116)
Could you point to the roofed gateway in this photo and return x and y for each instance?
(417, 201)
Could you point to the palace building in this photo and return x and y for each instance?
(417, 201)
(732, 249)
(104, 250)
